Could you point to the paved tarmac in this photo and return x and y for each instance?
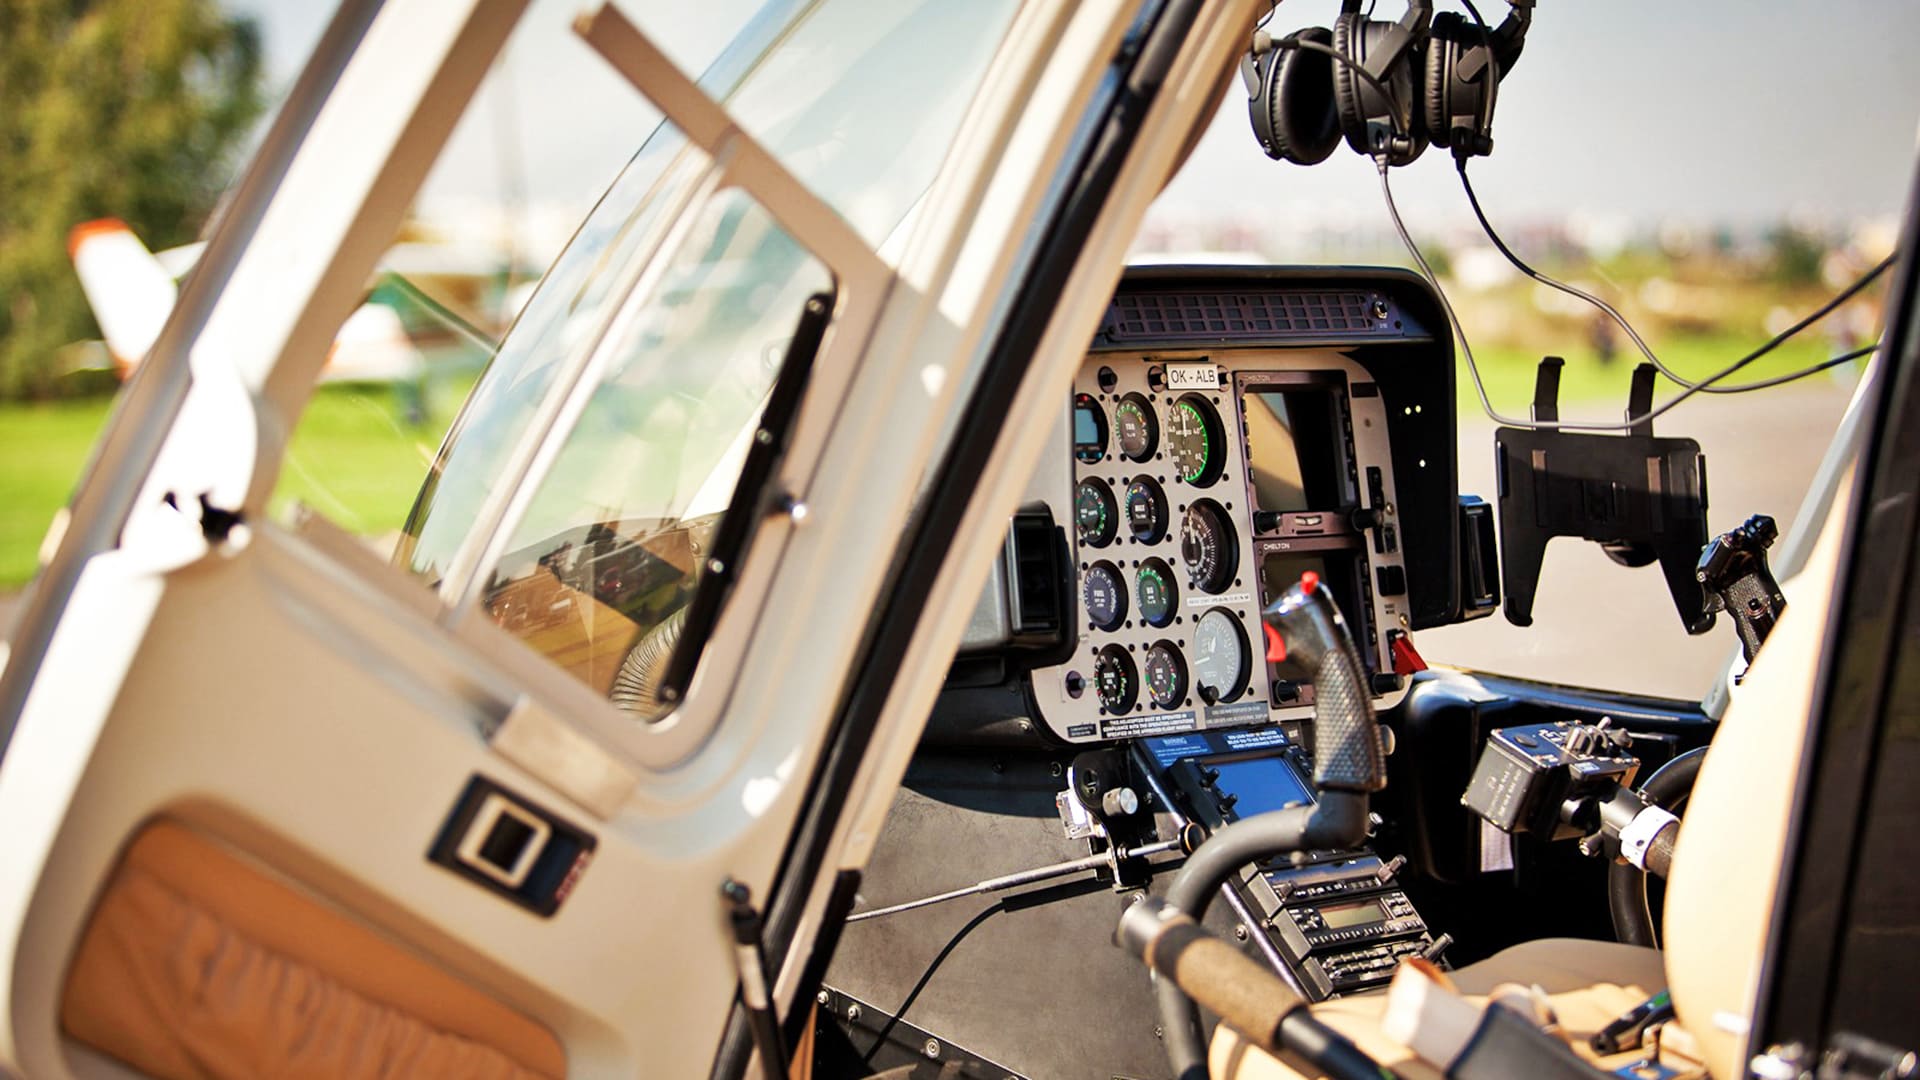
(1602, 625)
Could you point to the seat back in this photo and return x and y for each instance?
(1727, 864)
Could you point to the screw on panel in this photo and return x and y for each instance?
(853, 1013)
(822, 997)
(1240, 932)
(932, 1048)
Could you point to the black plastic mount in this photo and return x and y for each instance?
(1642, 497)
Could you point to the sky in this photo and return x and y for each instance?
(1738, 111)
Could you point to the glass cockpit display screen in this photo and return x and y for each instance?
(1261, 783)
(1294, 449)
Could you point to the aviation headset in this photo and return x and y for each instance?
(1302, 98)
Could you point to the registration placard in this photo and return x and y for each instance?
(1193, 377)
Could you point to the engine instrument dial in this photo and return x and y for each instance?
(1208, 546)
(1159, 596)
(1146, 510)
(1220, 657)
(1135, 428)
(1106, 595)
(1096, 518)
(1195, 440)
(1115, 680)
(1166, 675)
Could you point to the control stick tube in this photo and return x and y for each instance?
(1349, 762)
(1246, 995)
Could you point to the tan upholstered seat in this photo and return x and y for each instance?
(1589, 982)
(196, 965)
(1720, 897)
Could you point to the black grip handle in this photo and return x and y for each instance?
(1347, 754)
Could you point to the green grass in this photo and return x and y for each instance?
(356, 461)
(353, 458)
(42, 450)
(1602, 388)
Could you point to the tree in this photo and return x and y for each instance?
(134, 109)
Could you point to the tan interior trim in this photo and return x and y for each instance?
(196, 965)
(1588, 983)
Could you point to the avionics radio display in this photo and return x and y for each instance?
(1354, 913)
(1296, 449)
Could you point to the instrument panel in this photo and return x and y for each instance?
(1204, 482)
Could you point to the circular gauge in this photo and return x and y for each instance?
(1166, 675)
(1146, 510)
(1208, 547)
(1106, 595)
(1115, 680)
(1220, 657)
(1158, 593)
(1089, 429)
(1135, 428)
(1195, 440)
(1095, 517)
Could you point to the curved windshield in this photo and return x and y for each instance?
(859, 99)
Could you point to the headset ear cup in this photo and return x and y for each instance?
(1346, 96)
(1299, 101)
(1435, 83)
(1354, 96)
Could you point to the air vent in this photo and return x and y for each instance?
(1214, 315)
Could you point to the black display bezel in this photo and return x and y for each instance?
(1089, 453)
(1347, 574)
(1269, 753)
(1333, 518)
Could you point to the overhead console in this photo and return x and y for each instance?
(1230, 430)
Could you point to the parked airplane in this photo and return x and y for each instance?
(132, 291)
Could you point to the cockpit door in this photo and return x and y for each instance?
(275, 806)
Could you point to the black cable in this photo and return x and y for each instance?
(926, 976)
(1480, 386)
(1777, 380)
(1519, 264)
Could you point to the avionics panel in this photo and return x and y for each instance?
(1205, 482)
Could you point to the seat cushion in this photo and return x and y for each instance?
(197, 965)
(1590, 983)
